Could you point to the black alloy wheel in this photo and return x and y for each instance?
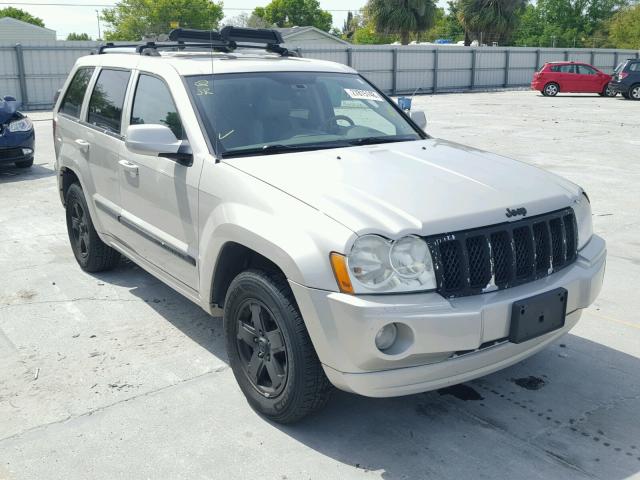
(261, 348)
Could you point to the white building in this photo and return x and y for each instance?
(17, 31)
(295, 36)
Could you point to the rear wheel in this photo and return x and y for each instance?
(634, 92)
(24, 163)
(92, 254)
(608, 92)
(550, 89)
(269, 349)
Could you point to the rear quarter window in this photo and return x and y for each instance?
(634, 67)
(107, 100)
(73, 97)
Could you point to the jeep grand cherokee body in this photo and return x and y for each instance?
(342, 242)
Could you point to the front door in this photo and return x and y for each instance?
(588, 79)
(159, 195)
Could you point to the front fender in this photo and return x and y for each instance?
(299, 243)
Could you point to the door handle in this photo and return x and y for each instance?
(132, 168)
(83, 145)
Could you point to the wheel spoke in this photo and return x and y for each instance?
(276, 342)
(255, 367)
(275, 371)
(247, 334)
(256, 317)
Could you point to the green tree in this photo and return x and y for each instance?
(446, 25)
(624, 28)
(402, 17)
(78, 37)
(295, 13)
(20, 14)
(135, 19)
(567, 23)
(489, 20)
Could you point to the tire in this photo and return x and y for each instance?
(270, 351)
(634, 92)
(24, 163)
(607, 92)
(551, 89)
(92, 254)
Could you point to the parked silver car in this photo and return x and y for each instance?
(344, 245)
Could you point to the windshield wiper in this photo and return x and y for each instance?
(276, 148)
(376, 140)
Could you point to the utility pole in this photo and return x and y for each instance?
(98, 17)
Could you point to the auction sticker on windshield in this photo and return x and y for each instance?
(364, 94)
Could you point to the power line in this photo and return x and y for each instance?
(104, 5)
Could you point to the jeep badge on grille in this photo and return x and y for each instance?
(514, 212)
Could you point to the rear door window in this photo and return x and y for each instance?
(153, 104)
(563, 69)
(72, 101)
(107, 100)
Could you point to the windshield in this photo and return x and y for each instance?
(274, 112)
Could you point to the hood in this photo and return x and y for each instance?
(424, 187)
(8, 109)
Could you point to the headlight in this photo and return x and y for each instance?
(378, 265)
(582, 210)
(22, 125)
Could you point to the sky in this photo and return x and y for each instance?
(83, 19)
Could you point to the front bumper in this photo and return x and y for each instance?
(446, 341)
(16, 147)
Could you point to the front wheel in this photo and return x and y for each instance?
(269, 349)
(551, 89)
(92, 254)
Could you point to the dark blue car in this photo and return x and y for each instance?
(17, 139)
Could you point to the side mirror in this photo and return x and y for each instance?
(419, 118)
(157, 141)
(151, 140)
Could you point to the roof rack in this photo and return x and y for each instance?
(226, 40)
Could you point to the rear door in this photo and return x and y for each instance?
(160, 195)
(104, 142)
(567, 76)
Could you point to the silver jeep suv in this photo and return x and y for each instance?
(343, 245)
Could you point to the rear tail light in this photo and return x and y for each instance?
(623, 75)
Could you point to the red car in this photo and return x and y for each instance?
(571, 77)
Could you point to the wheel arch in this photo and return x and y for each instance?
(233, 259)
(67, 178)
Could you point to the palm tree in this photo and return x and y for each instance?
(492, 18)
(402, 17)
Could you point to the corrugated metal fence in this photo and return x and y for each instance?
(34, 72)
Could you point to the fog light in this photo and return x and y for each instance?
(27, 151)
(386, 336)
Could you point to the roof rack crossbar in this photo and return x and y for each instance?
(227, 40)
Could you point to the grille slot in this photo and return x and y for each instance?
(502, 256)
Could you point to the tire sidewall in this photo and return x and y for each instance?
(634, 87)
(253, 285)
(76, 195)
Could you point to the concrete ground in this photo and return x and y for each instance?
(116, 376)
